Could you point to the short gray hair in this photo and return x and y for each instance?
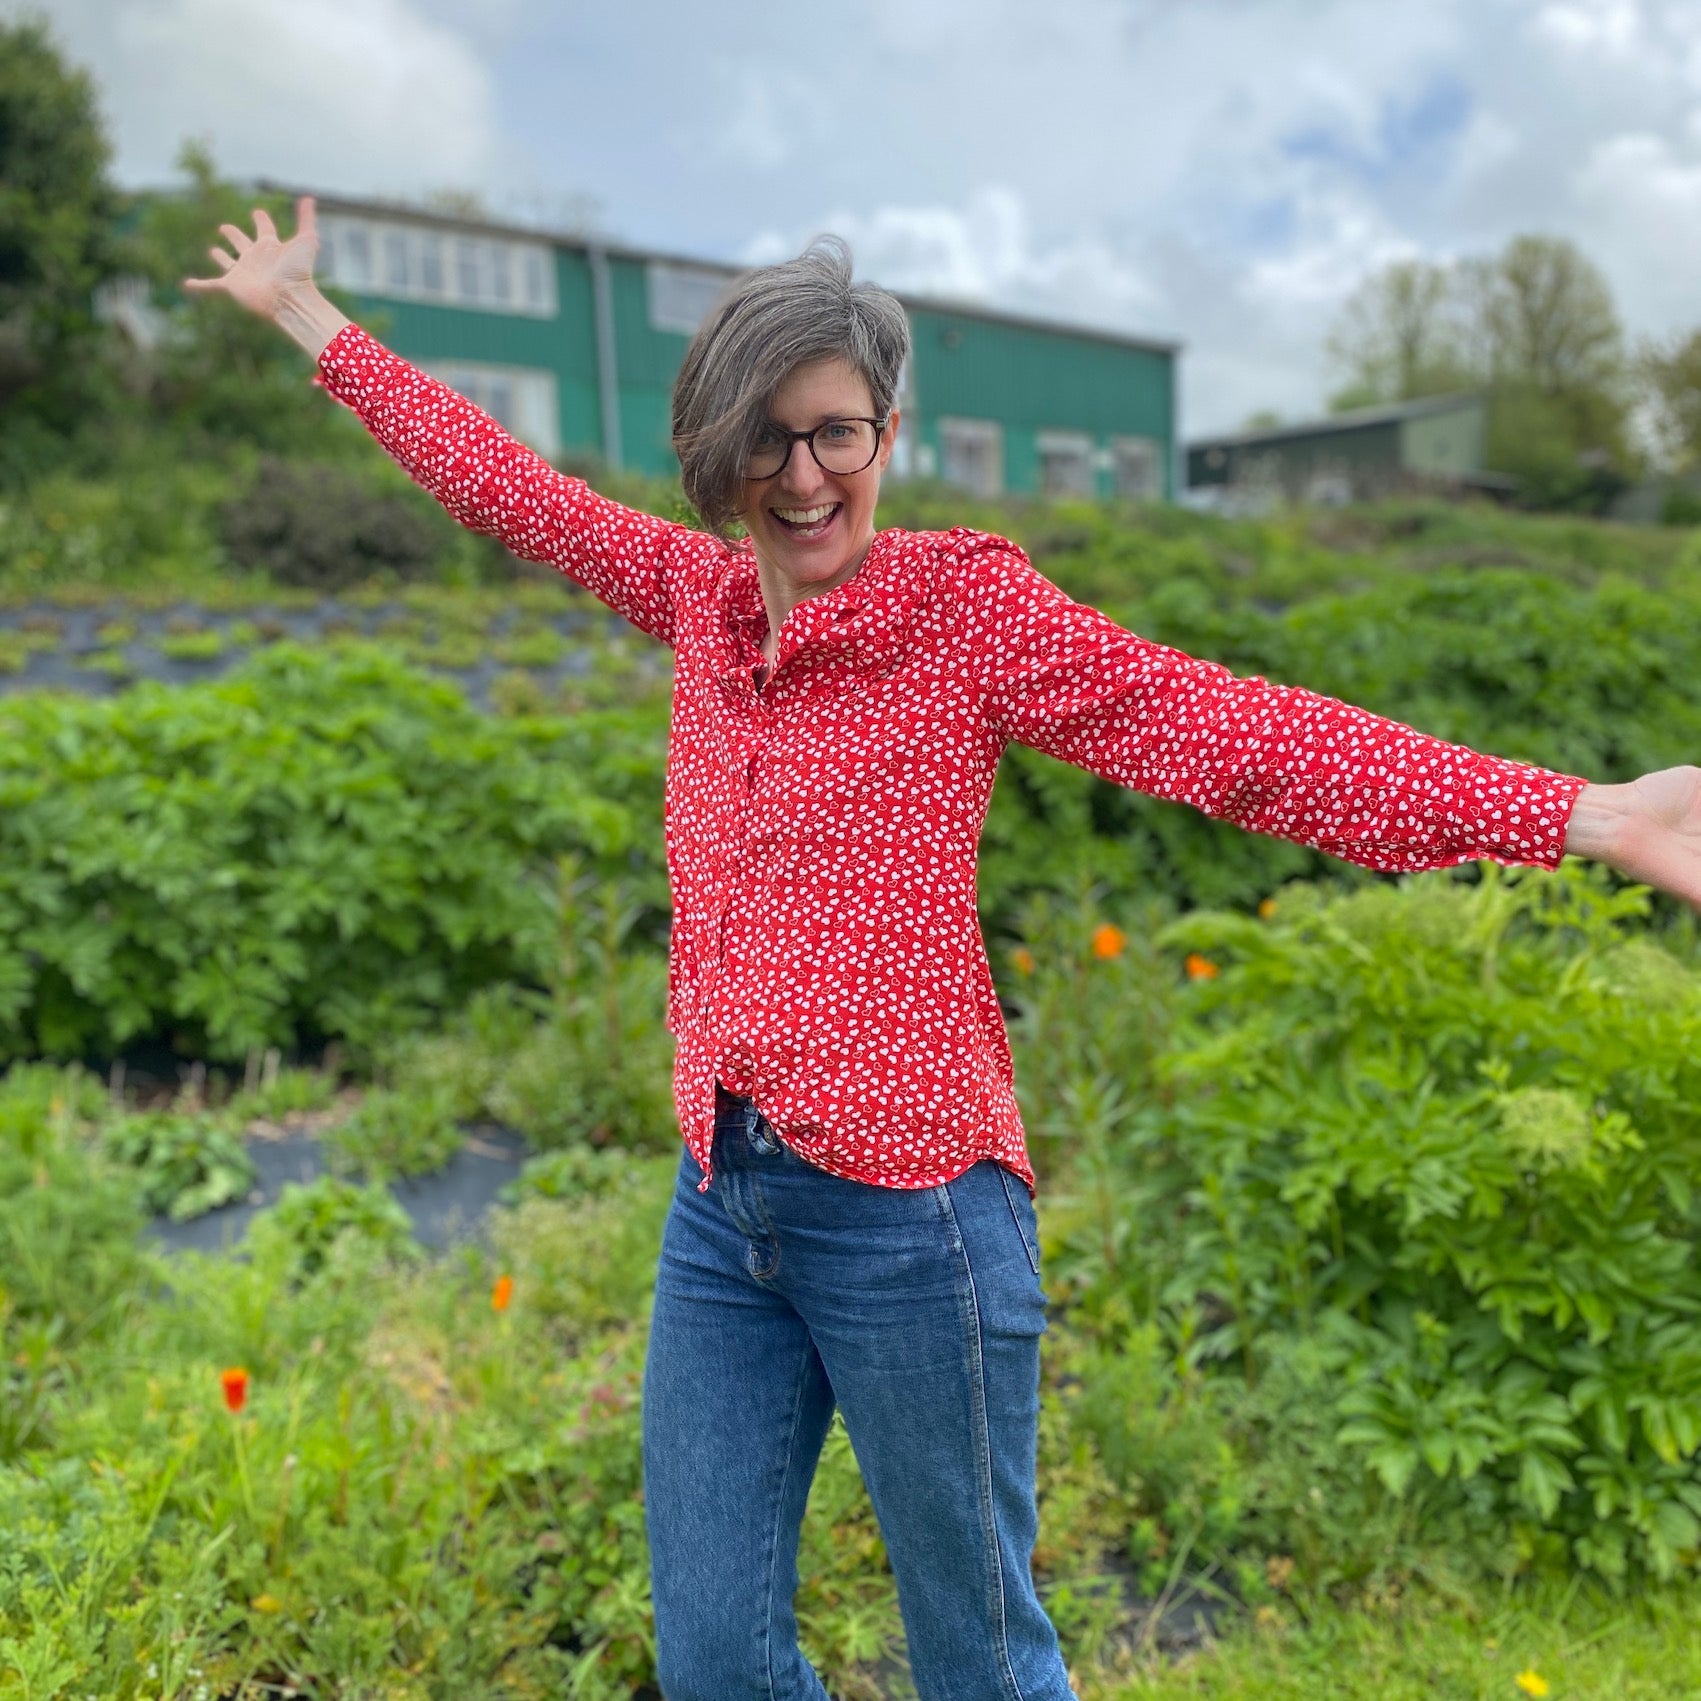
(769, 322)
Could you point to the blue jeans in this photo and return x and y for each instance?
(782, 1291)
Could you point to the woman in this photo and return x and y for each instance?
(853, 1222)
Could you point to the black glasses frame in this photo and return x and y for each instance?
(809, 438)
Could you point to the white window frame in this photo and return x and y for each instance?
(1148, 449)
(1072, 449)
(983, 439)
(523, 400)
(680, 296)
(456, 268)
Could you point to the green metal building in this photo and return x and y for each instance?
(573, 344)
(1436, 443)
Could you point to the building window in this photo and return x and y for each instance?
(537, 280)
(501, 259)
(431, 279)
(398, 276)
(681, 296)
(972, 455)
(1137, 468)
(520, 399)
(393, 257)
(1066, 463)
(468, 284)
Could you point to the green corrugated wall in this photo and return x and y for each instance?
(1027, 379)
(1031, 380)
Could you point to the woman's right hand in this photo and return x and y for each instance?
(274, 278)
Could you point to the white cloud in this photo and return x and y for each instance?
(1222, 171)
(1594, 26)
(350, 94)
(1643, 199)
(984, 251)
(1343, 239)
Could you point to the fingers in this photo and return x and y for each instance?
(263, 226)
(306, 217)
(202, 286)
(221, 259)
(237, 237)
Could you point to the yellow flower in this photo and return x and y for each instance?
(1023, 958)
(1266, 909)
(266, 1603)
(1109, 941)
(1532, 1683)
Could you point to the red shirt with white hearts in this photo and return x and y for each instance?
(826, 954)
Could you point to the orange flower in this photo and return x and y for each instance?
(235, 1384)
(1201, 968)
(1023, 958)
(1266, 909)
(502, 1293)
(1109, 941)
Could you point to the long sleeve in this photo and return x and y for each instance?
(491, 483)
(1068, 680)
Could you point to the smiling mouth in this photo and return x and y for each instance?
(808, 522)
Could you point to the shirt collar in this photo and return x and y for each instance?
(868, 614)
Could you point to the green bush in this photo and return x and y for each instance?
(1447, 1136)
(324, 528)
(317, 845)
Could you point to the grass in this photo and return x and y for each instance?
(1582, 1646)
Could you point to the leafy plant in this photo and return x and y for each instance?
(1449, 1134)
(395, 1134)
(312, 1221)
(313, 846)
(186, 1164)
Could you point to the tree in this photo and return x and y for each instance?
(1554, 359)
(56, 218)
(1397, 337)
(1671, 372)
(1534, 327)
(1547, 319)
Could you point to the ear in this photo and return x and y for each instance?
(888, 437)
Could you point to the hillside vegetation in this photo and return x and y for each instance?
(1367, 1207)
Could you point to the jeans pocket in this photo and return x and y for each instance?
(1022, 1210)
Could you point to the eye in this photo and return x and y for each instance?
(839, 430)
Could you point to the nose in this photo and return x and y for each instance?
(802, 473)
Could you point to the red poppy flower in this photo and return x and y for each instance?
(235, 1385)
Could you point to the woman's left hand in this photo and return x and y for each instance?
(1649, 829)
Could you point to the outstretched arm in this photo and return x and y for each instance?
(1277, 759)
(486, 479)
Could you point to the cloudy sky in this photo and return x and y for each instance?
(1219, 171)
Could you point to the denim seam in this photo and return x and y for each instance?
(774, 1517)
(969, 1304)
(767, 1222)
(1028, 1247)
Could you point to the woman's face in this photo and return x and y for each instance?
(811, 526)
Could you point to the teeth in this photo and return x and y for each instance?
(805, 516)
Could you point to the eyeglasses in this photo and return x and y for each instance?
(838, 445)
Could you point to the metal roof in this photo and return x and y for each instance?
(1392, 413)
(623, 251)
